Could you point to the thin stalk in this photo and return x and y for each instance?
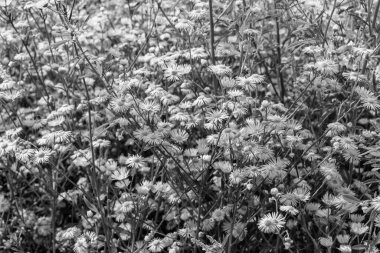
(375, 14)
(212, 42)
(328, 23)
(280, 78)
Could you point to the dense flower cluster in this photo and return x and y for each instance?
(189, 126)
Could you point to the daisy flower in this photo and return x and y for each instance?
(120, 104)
(218, 215)
(175, 72)
(326, 67)
(345, 248)
(312, 207)
(375, 203)
(150, 106)
(271, 223)
(156, 245)
(185, 25)
(326, 241)
(179, 136)
(135, 161)
(196, 53)
(100, 143)
(216, 117)
(140, 134)
(335, 128)
(358, 228)
(289, 209)
(202, 100)
(313, 50)
(343, 239)
(120, 174)
(302, 194)
(208, 224)
(220, 70)
(227, 82)
(235, 93)
(225, 49)
(368, 98)
(4, 204)
(250, 83)
(198, 14)
(43, 155)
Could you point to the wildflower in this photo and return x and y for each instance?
(343, 239)
(358, 228)
(179, 136)
(302, 194)
(175, 72)
(140, 134)
(150, 106)
(156, 245)
(327, 67)
(289, 209)
(71, 233)
(375, 203)
(345, 248)
(216, 117)
(208, 224)
(202, 100)
(121, 104)
(198, 14)
(326, 241)
(271, 223)
(13, 133)
(55, 137)
(250, 83)
(145, 187)
(356, 218)
(227, 82)
(4, 204)
(43, 155)
(81, 245)
(312, 207)
(220, 70)
(225, 49)
(236, 177)
(58, 121)
(185, 25)
(100, 143)
(120, 174)
(218, 214)
(43, 226)
(153, 138)
(235, 93)
(239, 230)
(368, 99)
(335, 129)
(355, 77)
(315, 50)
